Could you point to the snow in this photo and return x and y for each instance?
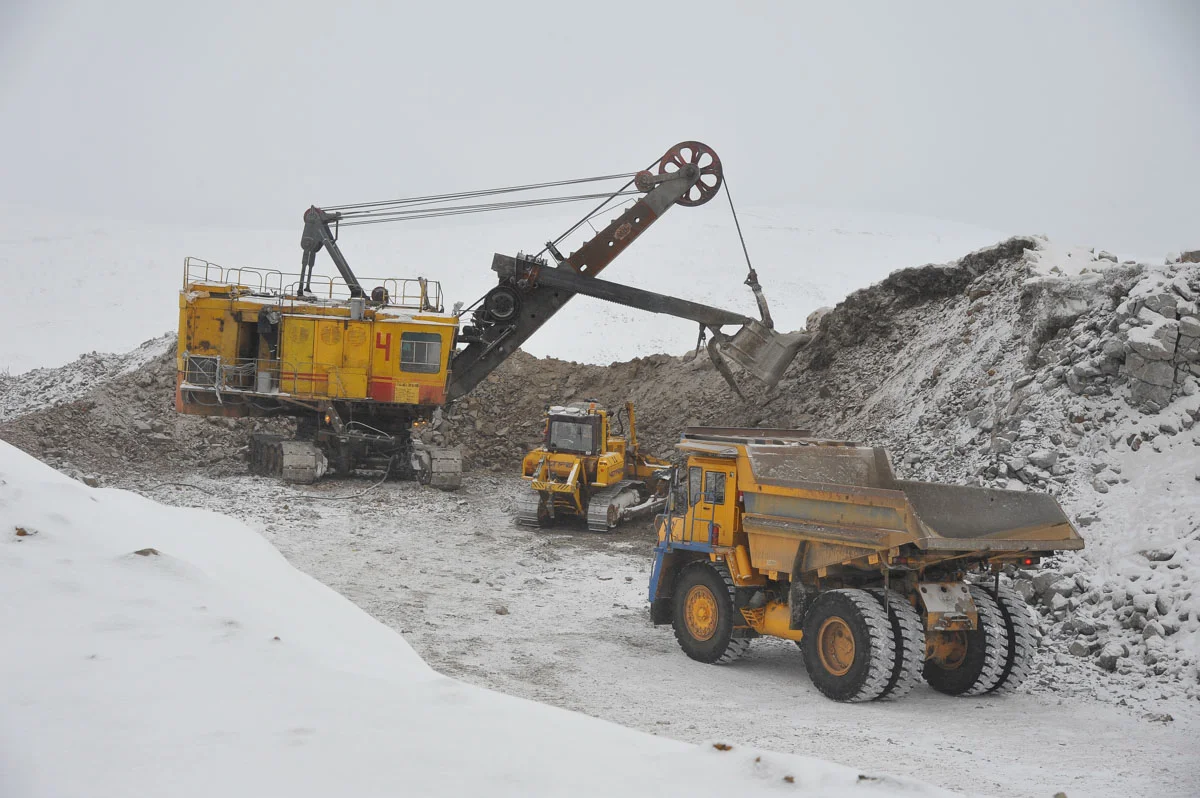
(210, 666)
(1053, 258)
(576, 634)
(74, 284)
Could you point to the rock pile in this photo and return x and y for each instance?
(124, 420)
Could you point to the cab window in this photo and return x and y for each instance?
(693, 485)
(421, 352)
(714, 487)
(572, 436)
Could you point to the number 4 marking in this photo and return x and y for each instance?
(384, 341)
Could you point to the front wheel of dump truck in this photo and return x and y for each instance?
(972, 662)
(1021, 643)
(848, 645)
(704, 607)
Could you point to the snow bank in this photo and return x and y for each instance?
(157, 650)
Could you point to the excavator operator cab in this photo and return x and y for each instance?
(573, 430)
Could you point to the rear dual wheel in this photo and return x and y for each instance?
(848, 646)
(1021, 642)
(976, 661)
(908, 642)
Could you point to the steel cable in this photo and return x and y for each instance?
(436, 198)
(403, 215)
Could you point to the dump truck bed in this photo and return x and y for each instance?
(842, 501)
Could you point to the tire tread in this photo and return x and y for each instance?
(908, 637)
(1021, 640)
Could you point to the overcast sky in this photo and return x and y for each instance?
(1081, 120)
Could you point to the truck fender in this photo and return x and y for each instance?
(800, 595)
(662, 582)
(800, 599)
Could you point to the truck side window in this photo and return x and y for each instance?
(693, 485)
(714, 487)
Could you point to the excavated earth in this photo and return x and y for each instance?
(1018, 366)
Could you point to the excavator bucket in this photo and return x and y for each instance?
(762, 351)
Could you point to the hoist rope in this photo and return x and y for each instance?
(736, 223)
(403, 215)
(436, 198)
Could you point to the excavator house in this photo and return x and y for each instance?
(365, 366)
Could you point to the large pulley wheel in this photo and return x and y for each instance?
(701, 156)
(502, 304)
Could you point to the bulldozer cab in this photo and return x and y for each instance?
(575, 430)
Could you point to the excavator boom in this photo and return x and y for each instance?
(515, 315)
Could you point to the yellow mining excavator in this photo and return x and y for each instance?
(585, 470)
(366, 366)
(879, 580)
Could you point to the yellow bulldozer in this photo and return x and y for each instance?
(879, 580)
(584, 469)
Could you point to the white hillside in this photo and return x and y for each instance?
(75, 285)
(174, 652)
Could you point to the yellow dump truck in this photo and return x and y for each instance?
(879, 580)
(586, 469)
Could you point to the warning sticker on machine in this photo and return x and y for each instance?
(407, 393)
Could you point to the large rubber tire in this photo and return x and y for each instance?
(847, 645)
(704, 603)
(982, 667)
(1021, 642)
(908, 642)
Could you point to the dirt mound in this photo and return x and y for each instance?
(122, 419)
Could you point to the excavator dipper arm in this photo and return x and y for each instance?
(512, 313)
(639, 298)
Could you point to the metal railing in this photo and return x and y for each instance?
(416, 293)
(263, 378)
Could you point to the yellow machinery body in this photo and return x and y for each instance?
(584, 469)
(363, 377)
(787, 516)
(246, 345)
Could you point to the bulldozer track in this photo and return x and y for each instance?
(602, 514)
(527, 508)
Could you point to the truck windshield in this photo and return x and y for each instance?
(572, 436)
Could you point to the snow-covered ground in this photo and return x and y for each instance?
(163, 651)
(74, 285)
(560, 617)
